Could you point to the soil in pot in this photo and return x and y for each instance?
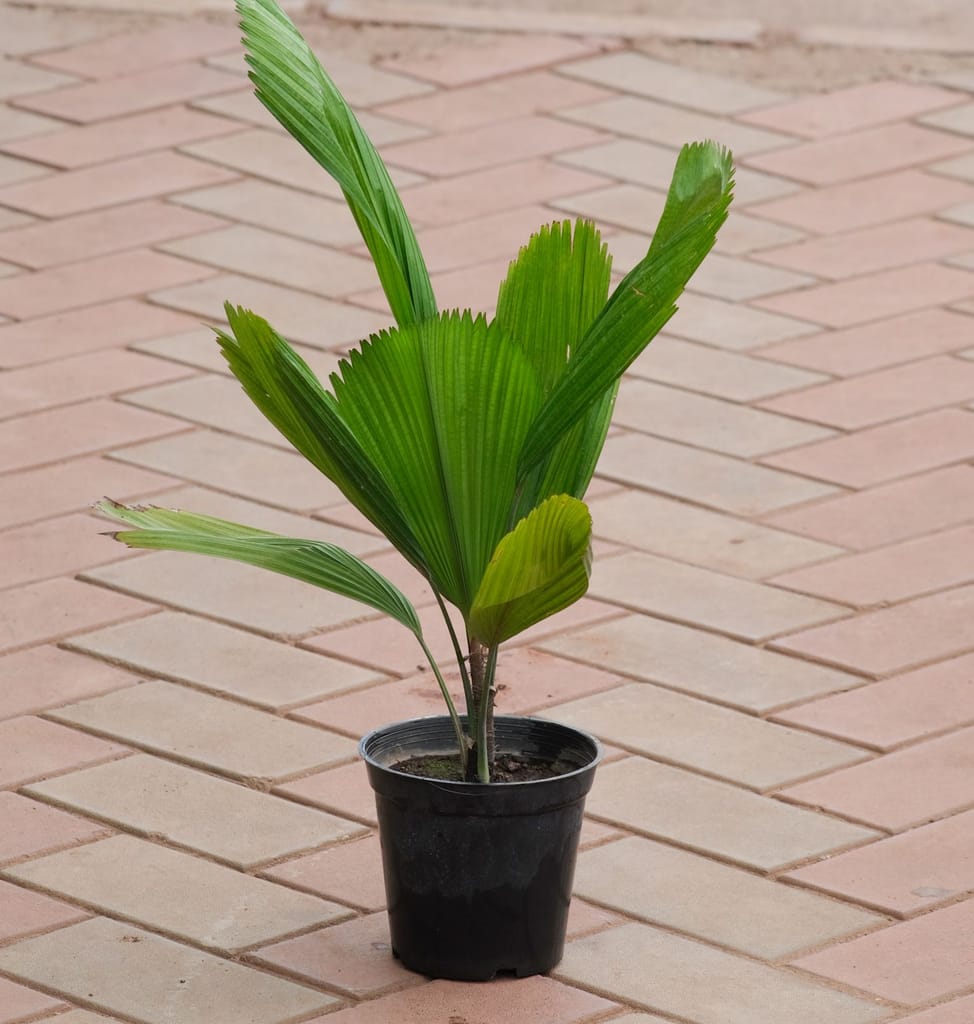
(507, 768)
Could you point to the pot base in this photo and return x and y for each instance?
(475, 972)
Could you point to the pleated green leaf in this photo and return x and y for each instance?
(696, 206)
(539, 568)
(292, 84)
(441, 409)
(312, 561)
(553, 292)
(286, 391)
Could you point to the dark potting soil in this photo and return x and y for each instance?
(507, 768)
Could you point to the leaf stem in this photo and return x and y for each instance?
(463, 745)
(458, 651)
(485, 720)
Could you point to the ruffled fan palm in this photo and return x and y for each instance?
(469, 443)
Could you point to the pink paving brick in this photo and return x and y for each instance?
(144, 90)
(105, 231)
(627, 206)
(478, 148)
(904, 874)
(498, 188)
(13, 169)
(893, 512)
(34, 494)
(344, 790)
(265, 154)
(348, 872)
(76, 430)
(497, 235)
(31, 749)
(586, 918)
(23, 912)
(124, 136)
(582, 613)
(354, 957)
(469, 287)
(17, 77)
(536, 92)
(276, 257)
(33, 828)
(526, 680)
(385, 644)
(877, 151)
(500, 56)
(55, 547)
(346, 514)
(111, 184)
(913, 962)
(854, 108)
(536, 1000)
(871, 249)
(397, 570)
(95, 281)
(892, 639)
(15, 124)
(860, 204)
(883, 395)
(96, 374)
(957, 1011)
(874, 296)
(17, 1002)
(594, 833)
(86, 330)
(899, 790)
(43, 677)
(502, 172)
(129, 52)
(873, 346)
(885, 452)
(892, 573)
(926, 701)
(247, 469)
(643, 75)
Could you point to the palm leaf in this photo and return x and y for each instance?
(696, 206)
(441, 409)
(553, 292)
(287, 392)
(539, 568)
(570, 466)
(312, 561)
(292, 84)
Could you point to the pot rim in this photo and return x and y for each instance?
(459, 786)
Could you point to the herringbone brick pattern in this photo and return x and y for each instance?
(777, 646)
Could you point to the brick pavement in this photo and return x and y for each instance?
(777, 645)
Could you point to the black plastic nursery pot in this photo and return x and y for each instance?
(479, 877)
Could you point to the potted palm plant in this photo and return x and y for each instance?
(470, 444)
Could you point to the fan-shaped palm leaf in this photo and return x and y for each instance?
(696, 206)
(312, 561)
(291, 83)
(441, 409)
(553, 292)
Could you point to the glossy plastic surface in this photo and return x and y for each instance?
(479, 877)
